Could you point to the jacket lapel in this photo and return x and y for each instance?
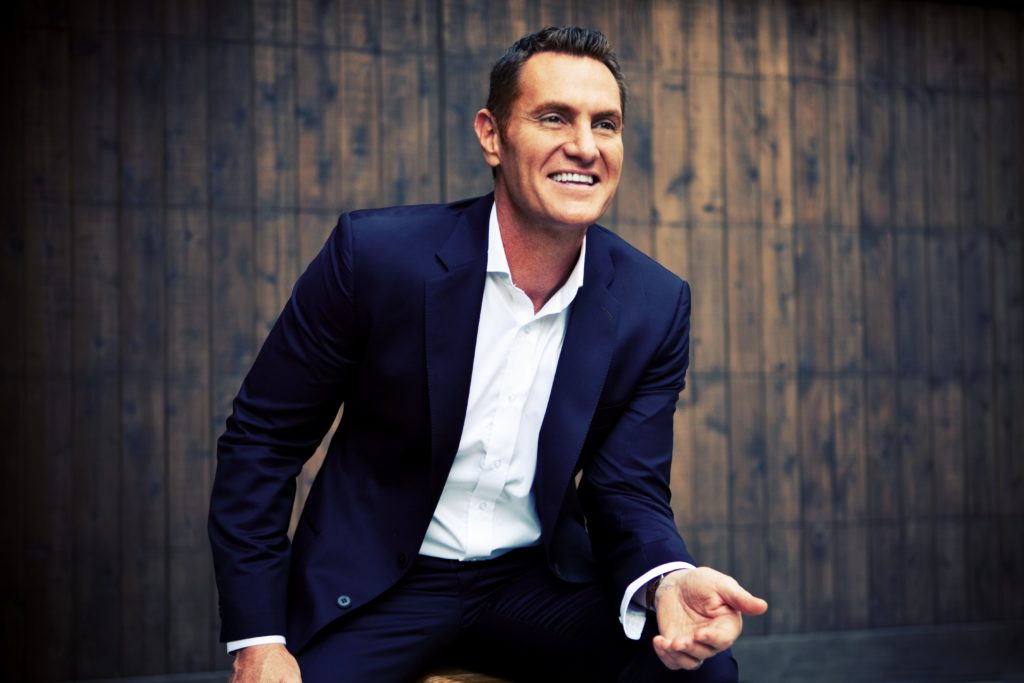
(579, 378)
(452, 316)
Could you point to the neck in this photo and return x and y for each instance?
(540, 258)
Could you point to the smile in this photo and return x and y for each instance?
(575, 178)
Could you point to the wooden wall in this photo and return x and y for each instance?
(841, 183)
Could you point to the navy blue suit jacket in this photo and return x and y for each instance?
(384, 321)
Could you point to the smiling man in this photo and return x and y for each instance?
(489, 353)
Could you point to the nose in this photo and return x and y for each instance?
(582, 146)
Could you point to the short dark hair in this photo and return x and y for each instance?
(570, 40)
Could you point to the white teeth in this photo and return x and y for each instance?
(573, 178)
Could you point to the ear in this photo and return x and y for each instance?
(490, 139)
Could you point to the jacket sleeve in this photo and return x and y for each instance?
(625, 487)
(286, 404)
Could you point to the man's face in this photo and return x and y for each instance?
(560, 157)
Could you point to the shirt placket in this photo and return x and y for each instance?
(513, 389)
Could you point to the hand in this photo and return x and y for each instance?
(699, 615)
(271, 663)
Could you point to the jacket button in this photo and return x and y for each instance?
(344, 601)
(403, 559)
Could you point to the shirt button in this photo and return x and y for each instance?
(344, 601)
(497, 464)
(402, 559)
(527, 329)
(483, 506)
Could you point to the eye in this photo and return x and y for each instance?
(552, 119)
(607, 125)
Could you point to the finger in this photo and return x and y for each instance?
(674, 659)
(687, 646)
(718, 636)
(741, 600)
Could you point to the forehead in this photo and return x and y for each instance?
(580, 82)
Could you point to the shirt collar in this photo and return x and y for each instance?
(497, 263)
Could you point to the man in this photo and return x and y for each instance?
(486, 352)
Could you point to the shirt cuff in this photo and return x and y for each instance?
(632, 614)
(259, 640)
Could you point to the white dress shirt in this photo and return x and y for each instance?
(487, 506)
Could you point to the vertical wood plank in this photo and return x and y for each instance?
(778, 279)
(948, 437)
(840, 34)
(140, 112)
(94, 103)
(748, 456)
(670, 171)
(744, 301)
(742, 196)
(908, 42)
(817, 451)
(96, 411)
(275, 266)
(1005, 178)
(704, 114)
(773, 42)
(143, 446)
(972, 157)
(739, 37)
(976, 261)
(189, 440)
(852, 575)
(360, 136)
(273, 21)
(185, 123)
(814, 333)
(775, 155)
(880, 316)
(842, 169)
(409, 147)
(1009, 438)
(48, 460)
(876, 155)
(940, 168)
(185, 18)
(318, 110)
(46, 125)
(634, 203)
(702, 37)
(273, 125)
(709, 315)
(969, 55)
(466, 80)
(807, 41)
(317, 23)
(710, 486)
(229, 99)
(847, 304)
(809, 152)
(908, 157)
(785, 578)
(97, 437)
(230, 20)
(820, 589)
(14, 299)
(783, 483)
(875, 43)
(939, 46)
(886, 550)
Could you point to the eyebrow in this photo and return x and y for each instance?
(563, 108)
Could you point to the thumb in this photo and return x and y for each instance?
(741, 600)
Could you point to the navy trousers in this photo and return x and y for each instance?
(507, 617)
